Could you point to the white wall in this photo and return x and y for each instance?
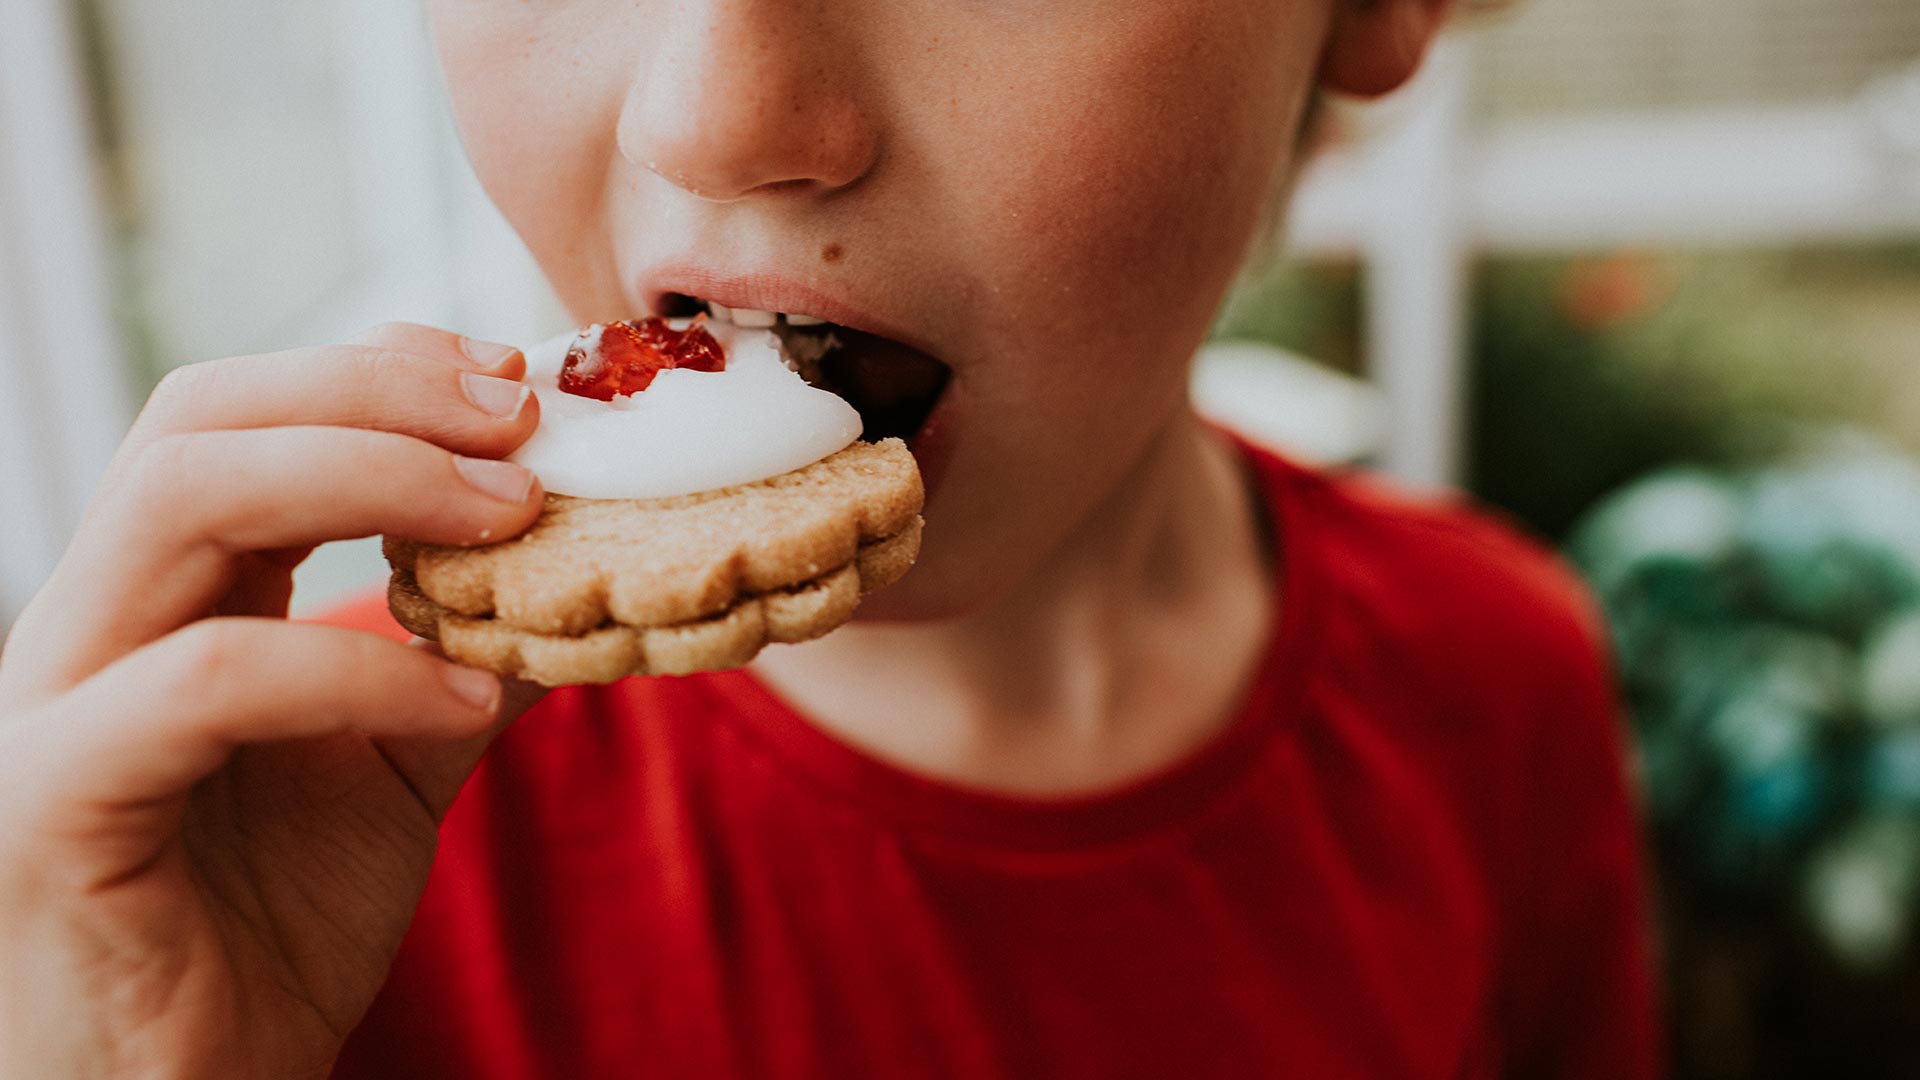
(63, 398)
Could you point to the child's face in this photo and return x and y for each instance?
(1049, 198)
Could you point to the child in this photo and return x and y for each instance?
(1168, 759)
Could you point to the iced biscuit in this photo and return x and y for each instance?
(681, 580)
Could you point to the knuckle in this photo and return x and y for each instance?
(160, 465)
(162, 462)
(172, 386)
(377, 364)
(388, 331)
(208, 653)
(179, 389)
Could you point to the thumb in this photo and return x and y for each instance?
(436, 769)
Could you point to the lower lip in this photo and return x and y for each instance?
(932, 445)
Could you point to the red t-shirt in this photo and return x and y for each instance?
(1411, 854)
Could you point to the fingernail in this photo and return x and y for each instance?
(486, 353)
(479, 689)
(495, 397)
(501, 479)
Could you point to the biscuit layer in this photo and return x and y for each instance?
(599, 589)
(662, 562)
(613, 651)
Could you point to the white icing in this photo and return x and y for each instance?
(688, 431)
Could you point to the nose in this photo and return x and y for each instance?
(741, 97)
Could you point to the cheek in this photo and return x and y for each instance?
(536, 114)
(1142, 166)
(1116, 193)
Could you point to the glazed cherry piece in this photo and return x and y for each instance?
(631, 354)
(693, 348)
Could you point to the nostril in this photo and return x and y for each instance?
(721, 129)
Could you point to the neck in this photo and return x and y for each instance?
(1127, 647)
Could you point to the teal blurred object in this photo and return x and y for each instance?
(1767, 629)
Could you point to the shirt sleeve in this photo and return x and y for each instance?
(1578, 997)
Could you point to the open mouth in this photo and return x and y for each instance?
(894, 387)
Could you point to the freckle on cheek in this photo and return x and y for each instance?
(831, 253)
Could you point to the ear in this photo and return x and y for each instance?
(1375, 46)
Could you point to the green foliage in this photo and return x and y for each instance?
(1708, 368)
(1585, 374)
(1767, 626)
(1307, 308)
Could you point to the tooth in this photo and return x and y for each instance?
(718, 313)
(804, 320)
(754, 320)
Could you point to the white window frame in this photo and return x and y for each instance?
(1429, 194)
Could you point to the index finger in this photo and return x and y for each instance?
(493, 358)
(352, 386)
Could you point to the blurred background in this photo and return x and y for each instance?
(1644, 274)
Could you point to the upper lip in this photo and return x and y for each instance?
(771, 291)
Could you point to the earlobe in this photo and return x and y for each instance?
(1375, 46)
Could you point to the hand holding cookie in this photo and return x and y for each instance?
(215, 823)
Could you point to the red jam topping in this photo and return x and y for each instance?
(631, 354)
